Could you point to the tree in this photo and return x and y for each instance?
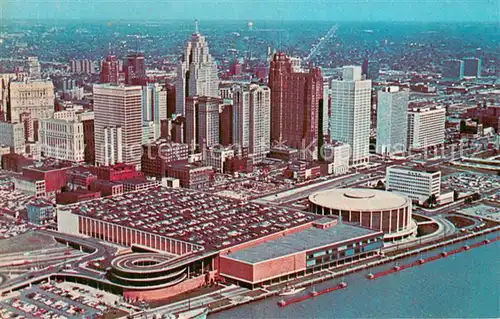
(455, 195)
(432, 200)
(380, 185)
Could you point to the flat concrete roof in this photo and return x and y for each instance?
(359, 199)
(302, 241)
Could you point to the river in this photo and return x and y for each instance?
(464, 285)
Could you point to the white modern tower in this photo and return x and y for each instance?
(117, 124)
(392, 124)
(251, 119)
(196, 72)
(350, 113)
(426, 127)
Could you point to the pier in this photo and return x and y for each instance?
(311, 294)
(421, 261)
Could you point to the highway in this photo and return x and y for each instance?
(99, 250)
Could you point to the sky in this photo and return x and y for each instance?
(322, 10)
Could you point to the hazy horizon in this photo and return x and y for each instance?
(255, 10)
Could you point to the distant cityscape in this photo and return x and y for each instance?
(177, 170)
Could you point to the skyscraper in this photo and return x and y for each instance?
(202, 122)
(392, 124)
(117, 124)
(294, 105)
(135, 71)
(453, 69)
(350, 113)
(109, 70)
(370, 69)
(251, 120)
(426, 127)
(196, 72)
(154, 108)
(34, 69)
(472, 67)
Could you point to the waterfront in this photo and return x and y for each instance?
(463, 285)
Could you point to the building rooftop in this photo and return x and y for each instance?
(358, 199)
(199, 218)
(418, 168)
(298, 242)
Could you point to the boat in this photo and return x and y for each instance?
(291, 291)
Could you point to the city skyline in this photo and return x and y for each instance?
(316, 10)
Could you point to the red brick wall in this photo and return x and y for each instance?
(279, 267)
(235, 269)
(165, 292)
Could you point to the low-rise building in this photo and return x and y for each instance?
(40, 212)
(336, 154)
(418, 183)
(194, 176)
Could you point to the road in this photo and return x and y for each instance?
(99, 250)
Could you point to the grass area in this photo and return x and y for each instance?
(460, 222)
(426, 229)
(486, 154)
(185, 296)
(114, 314)
(420, 218)
(27, 242)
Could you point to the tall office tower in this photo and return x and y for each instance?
(171, 100)
(453, 69)
(135, 70)
(33, 97)
(12, 135)
(251, 120)
(29, 133)
(34, 69)
(426, 127)
(370, 69)
(117, 124)
(196, 72)
(472, 67)
(62, 139)
(226, 125)
(153, 106)
(392, 123)
(326, 101)
(202, 122)
(294, 106)
(110, 70)
(350, 113)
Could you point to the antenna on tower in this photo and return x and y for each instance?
(196, 31)
(109, 49)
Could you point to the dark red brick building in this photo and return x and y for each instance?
(156, 156)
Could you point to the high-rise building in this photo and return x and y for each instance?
(472, 67)
(117, 124)
(226, 125)
(370, 69)
(196, 72)
(110, 70)
(294, 106)
(350, 113)
(62, 139)
(453, 69)
(84, 66)
(202, 122)
(33, 97)
(326, 105)
(154, 106)
(392, 123)
(426, 127)
(12, 135)
(251, 120)
(34, 68)
(135, 70)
